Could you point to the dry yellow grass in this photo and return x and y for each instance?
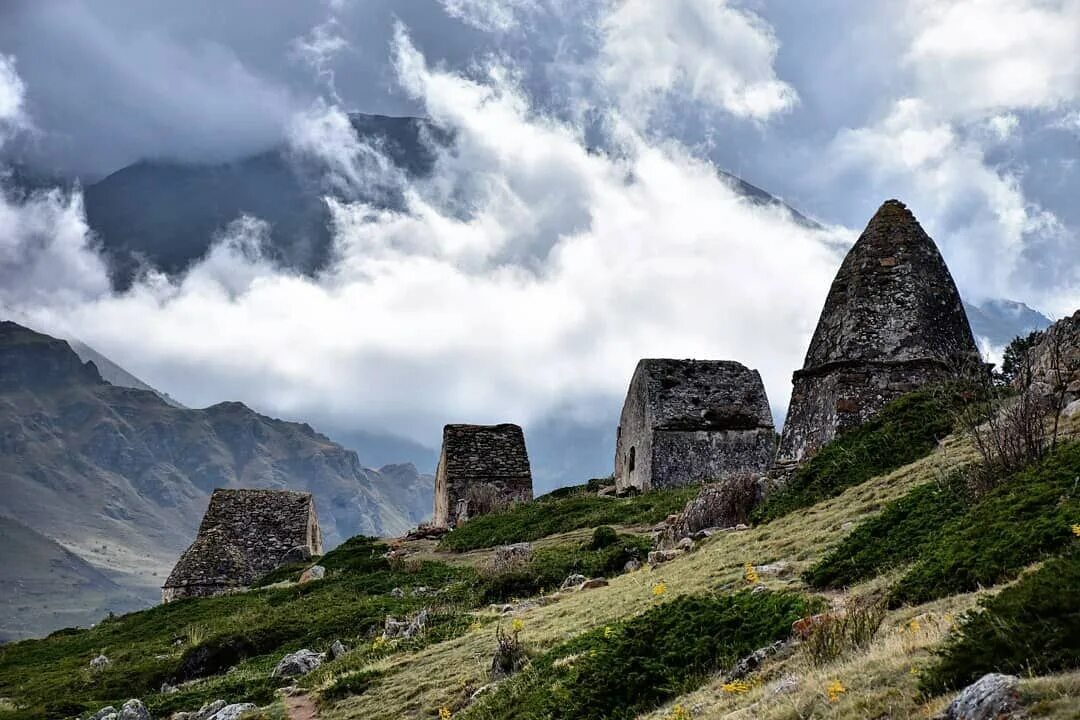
(876, 681)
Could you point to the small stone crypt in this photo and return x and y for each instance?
(692, 421)
(244, 535)
(481, 468)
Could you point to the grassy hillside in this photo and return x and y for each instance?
(653, 643)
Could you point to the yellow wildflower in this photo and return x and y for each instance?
(914, 625)
(679, 713)
(1076, 529)
(751, 575)
(834, 690)
(379, 644)
(659, 589)
(476, 625)
(518, 625)
(735, 687)
(609, 632)
(444, 713)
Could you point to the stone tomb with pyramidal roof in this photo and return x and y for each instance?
(481, 468)
(244, 535)
(892, 322)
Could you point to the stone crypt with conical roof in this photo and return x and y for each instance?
(892, 322)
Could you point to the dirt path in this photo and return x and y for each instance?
(300, 707)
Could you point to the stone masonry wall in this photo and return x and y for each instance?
(481, 468)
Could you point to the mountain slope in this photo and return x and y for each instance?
(121, 478)
(998, 321)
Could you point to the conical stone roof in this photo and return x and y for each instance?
(893, 299)
(892, 322)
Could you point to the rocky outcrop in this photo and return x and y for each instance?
(892, 322)
(298, 663)
(1055, 361)
(720, 505)
(481, 468)
(991, 697)
(692, 421)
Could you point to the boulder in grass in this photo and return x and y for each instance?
(573, 581)
(315, 572)
(134, 710)
(103, 713)
(231, 712)
(991, 697)
(298, 663)
(99, 663)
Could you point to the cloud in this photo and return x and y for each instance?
(971, 57)
(489, 15)
(12, 99)
(716, 53)
(430, 314)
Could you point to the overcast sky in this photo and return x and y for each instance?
(528, 275)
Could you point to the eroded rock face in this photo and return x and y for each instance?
(481, 468)
(298, 663)
(686, 422)
(991, 697)
(719, 505)
(1055, 361)
(892, 322)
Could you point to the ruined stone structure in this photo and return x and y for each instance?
(692, 421)
(892, 322)
(481, 468)
(244, 535)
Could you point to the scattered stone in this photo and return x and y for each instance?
(703, 533)
(685, 544)
(785, 685)
(781, 567)
(134, 710)
(167, 689)
(758, 589)
(103, 712)
(593, 583)
(394, 628)
(100, 663)
(397, 592)
(231, 712)
(511, 557)
(421, 591)
(209, 710)
(298, 663)
(427, 532)
(662, 556)
(991, 697)
(632, 565)
(502, 608)
(337, 649)
(483, 690)
(753, 661)
(573, 581)
(315, 572)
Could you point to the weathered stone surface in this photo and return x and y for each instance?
(103, 712)
(315, 572)
(1055, 361)
(244, 535)
(991, 697)
(134, 710)
(410, 627)
(892, 322)
(99, 663)
(692, 421)
(662, 556)
(573, 581)
(593, 583)
(753, 661)
(298, 663)
(337, 649)
(481, 468)
(231, 712)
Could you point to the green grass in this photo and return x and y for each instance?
(1030, 628)
(904, 431)
(247, 631)
(570, 510)
(895, 537)
(1024, 519)
(624, 669)
(550, 566)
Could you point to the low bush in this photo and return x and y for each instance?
(1030, 628)
(571, 511)
(628, 668)
(549, 567)
(839, 634)
(904, 431)
(895, 537)
(1024, 519)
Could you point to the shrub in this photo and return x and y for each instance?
(840, 634)
(1032, 627)
(602, 537)
(895, 537)
(574, 510)
(904, 431)
(1024, 519)
(628, 668)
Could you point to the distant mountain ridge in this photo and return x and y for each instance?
(121, 478)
